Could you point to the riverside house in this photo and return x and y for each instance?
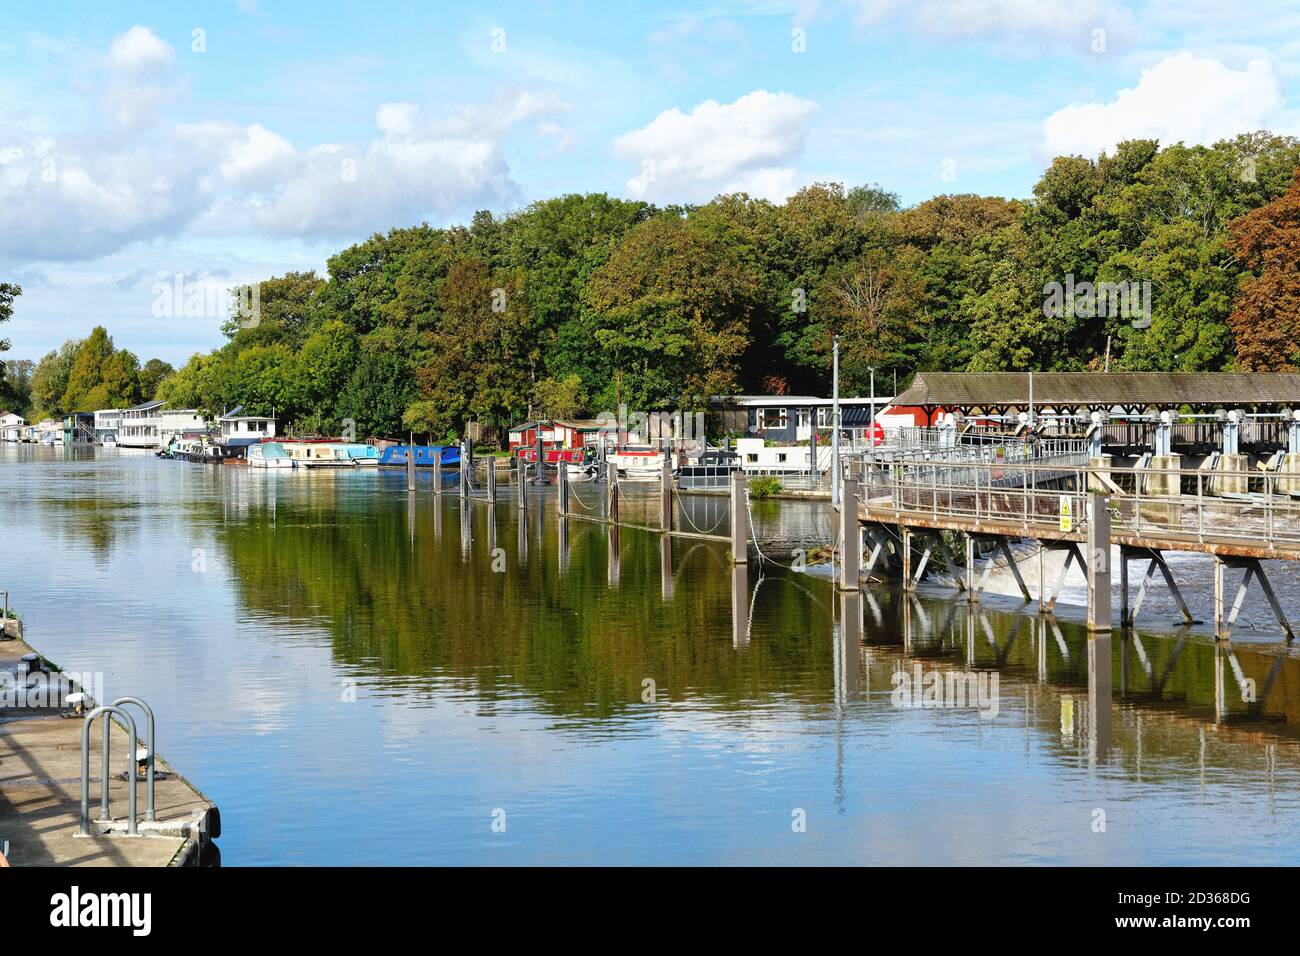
(11, 426)
(141, 426)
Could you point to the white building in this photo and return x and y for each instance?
(48, 431)
(240, 429)
(758, 458)
(11, 426)
(107, 423)
(180, 421)
(141, 426)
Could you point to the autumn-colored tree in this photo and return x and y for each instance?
(1266, 313)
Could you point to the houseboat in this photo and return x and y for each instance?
(269, 454)
(426, 456)
(361, 455)
(637, 462)
(710, 468)
(217, 454)
(140, 426)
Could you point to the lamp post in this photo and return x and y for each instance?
(871, 418)
(835, 423)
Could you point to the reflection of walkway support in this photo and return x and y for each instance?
(1128, 553)
(1099, 698)
(739, 606)
(973, 589)
(666, 579)
(850, 644)
(1252, 567)
(1047, 601)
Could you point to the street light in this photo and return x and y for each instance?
(835, 423)
(871, 428)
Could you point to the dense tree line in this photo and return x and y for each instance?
(82, 375)
(580, 302)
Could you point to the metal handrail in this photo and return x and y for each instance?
(1011, 491)
(132, 779)
(150, 743)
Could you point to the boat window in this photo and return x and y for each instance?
(751, 458)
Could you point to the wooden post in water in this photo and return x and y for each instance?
(463, 474)
(1098, 563)
(666, 496)
(850, 536)
(739, 519)
(410, 468)
(562, 489)
(437, 472)
(491, 478)
(907, 557)
(611, 491)
(521, 481)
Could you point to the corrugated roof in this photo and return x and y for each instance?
(1103, 389)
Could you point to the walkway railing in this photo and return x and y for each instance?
(1250, 511)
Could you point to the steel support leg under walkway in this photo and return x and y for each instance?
(1223, 625)
(1127, 553)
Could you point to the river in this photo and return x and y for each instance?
(359, 676)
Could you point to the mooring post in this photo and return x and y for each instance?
(907, 558)
(410, 468)
(739, 519)
(972, 595)
(437, 472)
(521, 481)
(666, 496)
(1099, 610)
(491, 478)
(611, 496)
(562, 489)
(462, 473)
(850, 536)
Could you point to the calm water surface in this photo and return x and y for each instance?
(356, 677)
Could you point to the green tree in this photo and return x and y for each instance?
(151, 376)
(9, 392)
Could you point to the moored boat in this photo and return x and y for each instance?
(426, 456)
(269, 454)
(637, 463)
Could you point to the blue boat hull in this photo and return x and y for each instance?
(425, 456)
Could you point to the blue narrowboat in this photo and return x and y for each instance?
(425, 455)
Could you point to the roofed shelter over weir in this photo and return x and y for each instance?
(996, 393)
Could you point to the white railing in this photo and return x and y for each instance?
(1250, 509)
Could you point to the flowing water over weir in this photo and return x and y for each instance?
(357, 674)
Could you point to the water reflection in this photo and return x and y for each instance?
(523, 687)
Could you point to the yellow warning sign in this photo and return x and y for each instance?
(1067, 513)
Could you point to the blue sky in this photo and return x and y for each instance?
(236, 139)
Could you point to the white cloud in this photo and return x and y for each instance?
(86, 193)
(1017, 26)
(138, 79)
(749, 145)
(1182, 98)
(139, 48)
